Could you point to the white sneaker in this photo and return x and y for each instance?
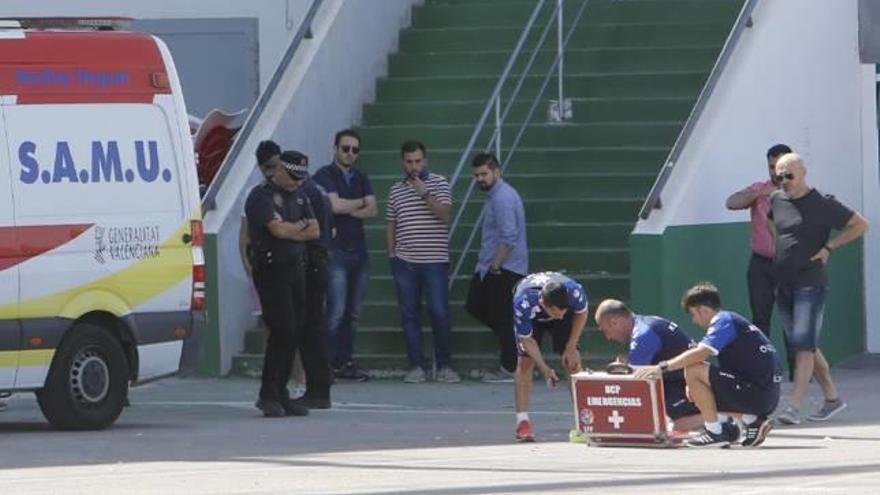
(415, 375)
(790, 415)
(447, 375)
(500, 375)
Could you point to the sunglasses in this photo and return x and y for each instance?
(786, 175)
(348, 148)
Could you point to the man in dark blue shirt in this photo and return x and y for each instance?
(746, 381)
(352, 200)
(652, 339)
(545, 302)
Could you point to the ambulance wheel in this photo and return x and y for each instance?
(87, 383)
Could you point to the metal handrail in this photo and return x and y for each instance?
(556, 62)
(209, 202)
(743, 21)
(496, 93)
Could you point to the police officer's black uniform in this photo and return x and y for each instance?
(279, 277)
(313, 344)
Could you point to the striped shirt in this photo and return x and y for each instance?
(419, 236)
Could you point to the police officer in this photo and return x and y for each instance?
(280, 222)
(313, 343)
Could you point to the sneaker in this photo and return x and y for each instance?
(708, 439)
(298, 391)
(828, 410)
(500, 375)
(756, 432)
(447, 375)
(524, 432)
(731, 429)
(789, 416)
(313, 402)
(577, 436)
(415, 375)
(351, 372)
(271, 408)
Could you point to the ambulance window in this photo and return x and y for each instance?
(94, 161)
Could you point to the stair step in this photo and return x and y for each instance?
(465, 341)
(576, 60)
(553, 209)
(630, 84)
(381, 287)
(585, 110)
(545, 235)
(394, 366)
(564, 159)
(607, 35)
(515, 14)
(580, 260)
(451, 136)
(594, 185)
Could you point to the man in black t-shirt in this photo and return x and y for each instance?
(280, 222)
(802, 220)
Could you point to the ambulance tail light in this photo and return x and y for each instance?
(199, 301)
(198, 233)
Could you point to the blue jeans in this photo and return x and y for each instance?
(801, 310)
(348, 274)
(410, 280)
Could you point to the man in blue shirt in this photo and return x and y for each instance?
(746, 381)
(652, 339)
(352, 199)
(546, 302)
(503, 261)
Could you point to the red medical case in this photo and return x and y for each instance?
(619, 410)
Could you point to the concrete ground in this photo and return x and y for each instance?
(204, 436)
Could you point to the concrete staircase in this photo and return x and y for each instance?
(633, 70)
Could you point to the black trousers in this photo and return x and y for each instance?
(313, 348)
(762, 297)
(282, 289)
(490, 300)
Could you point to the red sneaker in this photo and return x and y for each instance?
(524, 432)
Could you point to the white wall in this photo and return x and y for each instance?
(794, 78)
(278, 19)
(330, 79)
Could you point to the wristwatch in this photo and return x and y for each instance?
(663, 365)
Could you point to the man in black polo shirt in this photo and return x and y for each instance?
(351, 196)
(280, 222)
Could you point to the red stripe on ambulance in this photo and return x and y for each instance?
(19, 244)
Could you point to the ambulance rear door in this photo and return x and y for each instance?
(10, 331)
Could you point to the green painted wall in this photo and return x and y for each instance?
(664, 266)
(209, 364)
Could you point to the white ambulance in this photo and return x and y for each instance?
(101, 265)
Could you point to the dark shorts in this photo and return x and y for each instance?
(559, 330)
(677, 403)
(738, 395)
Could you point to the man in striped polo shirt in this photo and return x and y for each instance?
(417, 239)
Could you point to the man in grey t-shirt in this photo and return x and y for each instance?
(802, 219)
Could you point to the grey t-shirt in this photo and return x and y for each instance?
(803, 226)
